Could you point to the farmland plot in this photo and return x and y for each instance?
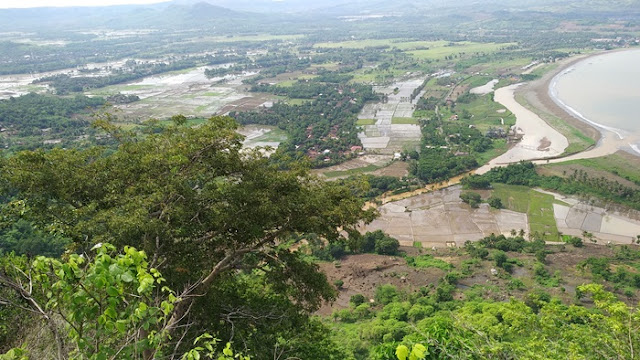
(387, 135)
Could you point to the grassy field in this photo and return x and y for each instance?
(362, 122)
(485, 113)
(477, 80)
(502, 66)
(376, 75)
(620, 164)
(295, 79)
(403, 120)
(537, 206)
(296, 101)
(250, 38)
(401, 44)
(275, 135)
(465, 47)
(499, 147)
(362, 170)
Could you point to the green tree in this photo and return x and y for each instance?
(471, 198)
(495, 202)
(386, 294)
(387, 246)
(209, 214)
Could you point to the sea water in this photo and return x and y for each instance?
(603, 90)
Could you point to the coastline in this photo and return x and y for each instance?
(539, 139)
(537, 95)
(607, 140)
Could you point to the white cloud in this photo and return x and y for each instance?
(60, 3)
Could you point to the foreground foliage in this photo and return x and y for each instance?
(106, 305)
(218, 221)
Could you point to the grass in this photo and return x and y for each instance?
(502, 66)
(296, 101)
(376, 75)
(428, 261)
(250, 38)
(619, 165)
(485, 113)
(275, 135)
(476, 81)
(403, 120)
(393, 43)
(287, 83)
(459, 48)
(328, 66)
(362, 122)
(499, 147)
(537, 206)
(361, 170)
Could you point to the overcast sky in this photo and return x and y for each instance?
(40, 3)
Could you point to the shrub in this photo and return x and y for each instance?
(387, 246)
(386, 294)
(495, 202)
(419, 312)
(575, 241)
(471, 198)
(357, 299)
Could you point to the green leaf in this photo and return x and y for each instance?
(127, 277)
(112, 291)
(111, 312)
(121, 325)
(419, 351)
(227, 350)
(402, 352)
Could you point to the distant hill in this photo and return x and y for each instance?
(163, 15)
(255, 15)
(409, 7)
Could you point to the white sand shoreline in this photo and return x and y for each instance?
(540, 140)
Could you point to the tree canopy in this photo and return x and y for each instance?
(210, 215)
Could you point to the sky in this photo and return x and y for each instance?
(57, 3)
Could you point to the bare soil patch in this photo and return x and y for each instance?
(246, 103)
(396, 169)
(363, 273)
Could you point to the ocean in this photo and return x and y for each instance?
(603, 90)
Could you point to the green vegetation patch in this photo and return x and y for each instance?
(428, 261)
(449, 49)
(361, 170)
(615, 164)
(404, 120)
(362, 122)
(393, 43)
(537, 206)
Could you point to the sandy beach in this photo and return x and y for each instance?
(538, 94)
(539, 140)
(537, 132)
